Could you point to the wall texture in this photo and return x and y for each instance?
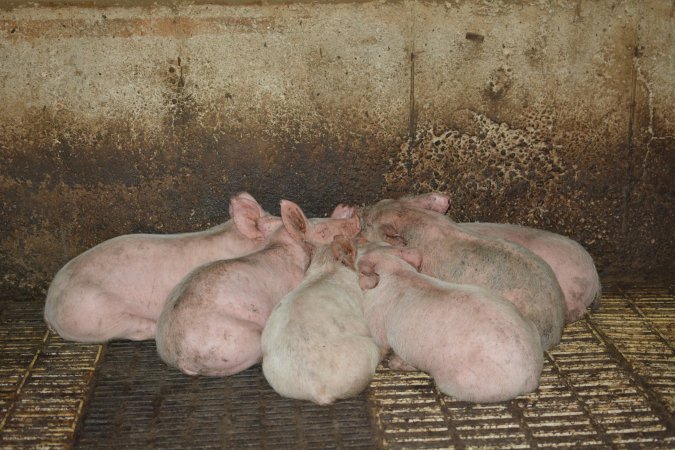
(120, 119)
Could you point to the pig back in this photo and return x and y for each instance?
(572, 265)
(510, 270)
(316, 344)
(475, 344)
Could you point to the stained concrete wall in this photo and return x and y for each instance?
(119, 119)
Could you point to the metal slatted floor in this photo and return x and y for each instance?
(610, 383)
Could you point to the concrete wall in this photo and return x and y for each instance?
(119, 119)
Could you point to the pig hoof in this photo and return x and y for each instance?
(396, 363)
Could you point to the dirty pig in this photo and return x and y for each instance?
(116, 289)
(452, 253)
(573, 266)
(213, 319)
(316, 344)
(474, 343)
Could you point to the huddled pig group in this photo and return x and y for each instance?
(322, 301)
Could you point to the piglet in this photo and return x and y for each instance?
(451, 253)
(573, 266)
(473, 342)
(116, 289)
(316, 345)
(212, 321)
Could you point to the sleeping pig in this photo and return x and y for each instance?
(212, 320)
(452, 253)
(316, 345)
(573, 266)
(473, 342)
(116, 289)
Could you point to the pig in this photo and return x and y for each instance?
(474, 343)
(316, 345)
(452, 253)
(116, 290)
(212, 321)
(572, 265)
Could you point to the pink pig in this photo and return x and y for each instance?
(213, 319)
(316, 344)
(573, 266)
(454, 254)
(474, 343)
(116, 289)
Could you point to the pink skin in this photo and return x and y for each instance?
(453, 254)
(316, 344)
(474, 343)
(343, 211)
(571, 263)
(212, 321)
(116, 289)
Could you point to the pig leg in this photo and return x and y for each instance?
(137, 328)
(397, 363)
(93, 316)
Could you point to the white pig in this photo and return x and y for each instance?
(116, 290)
(456, 255)
(316, 345)
(212, 320)
(474, 343)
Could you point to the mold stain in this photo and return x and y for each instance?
(183, 109)
(497, 164)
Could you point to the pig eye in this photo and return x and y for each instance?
(395, 239)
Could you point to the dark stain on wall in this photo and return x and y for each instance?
(65, 190)
(497, 173)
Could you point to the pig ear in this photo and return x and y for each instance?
(294, 220)
(246, 195)
(343, 211)
(246, 213)
(434, 201)
(413, 257)
(268, 224)
(344, 251)
(368, 279)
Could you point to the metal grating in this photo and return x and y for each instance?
(611, 383)
(44, 381)
(138, 401)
